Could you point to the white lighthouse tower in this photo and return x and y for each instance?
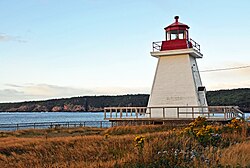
(177, 81)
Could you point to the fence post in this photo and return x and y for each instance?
(120, 113)
(105, 113)
(193, 112)
(163, 110)
(149, 112)
(208, 113)
(225, 117)
(178, 112)
(17, 127)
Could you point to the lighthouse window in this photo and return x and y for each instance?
(168, 36)
(181, 36)
(176, 34)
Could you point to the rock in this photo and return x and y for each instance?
(56, 109)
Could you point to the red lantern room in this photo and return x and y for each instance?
(177, 37)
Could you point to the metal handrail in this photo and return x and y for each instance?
(195, 45)
(157, 45)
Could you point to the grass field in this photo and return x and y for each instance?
(197, 145)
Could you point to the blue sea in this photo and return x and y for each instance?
(24, 120)
(35, 117)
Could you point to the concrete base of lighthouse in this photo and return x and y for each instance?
(176, 83)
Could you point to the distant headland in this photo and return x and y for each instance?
(235, 97)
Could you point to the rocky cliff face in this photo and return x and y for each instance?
(65, 107)
(21, 108)
(39, 108)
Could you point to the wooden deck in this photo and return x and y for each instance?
(183, 114)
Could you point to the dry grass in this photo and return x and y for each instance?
(238, 154)
(122, 130)
(63, 151)
(53, 132)
(162, 148)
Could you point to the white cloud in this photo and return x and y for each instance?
(5, 38)
(10, 95)
(218, 86)
(229, 79)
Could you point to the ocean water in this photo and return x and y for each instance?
(10, 121)
(35, 117)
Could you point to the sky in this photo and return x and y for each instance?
(61, 48)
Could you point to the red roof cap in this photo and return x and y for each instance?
(176, 25)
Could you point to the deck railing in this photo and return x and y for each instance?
(195, 45)
(43, 125)
(173, 112)
(157, 45)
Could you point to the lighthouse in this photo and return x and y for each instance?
(177, 95)
(177, 81)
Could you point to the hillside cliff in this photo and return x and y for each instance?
(235, 97)
(85, 103)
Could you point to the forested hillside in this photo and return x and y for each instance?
(85, 103)
(235, 97)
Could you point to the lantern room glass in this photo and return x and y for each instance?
(176, 34)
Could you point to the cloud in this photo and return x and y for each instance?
(9, 92)
(229, 79)
(239, 72)
(5, 38)
(47, 90)
(225, 81)
(12, 85)
(121, 90)
(53, 90)
(10, 95)
(44, 91)
(221, 85)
